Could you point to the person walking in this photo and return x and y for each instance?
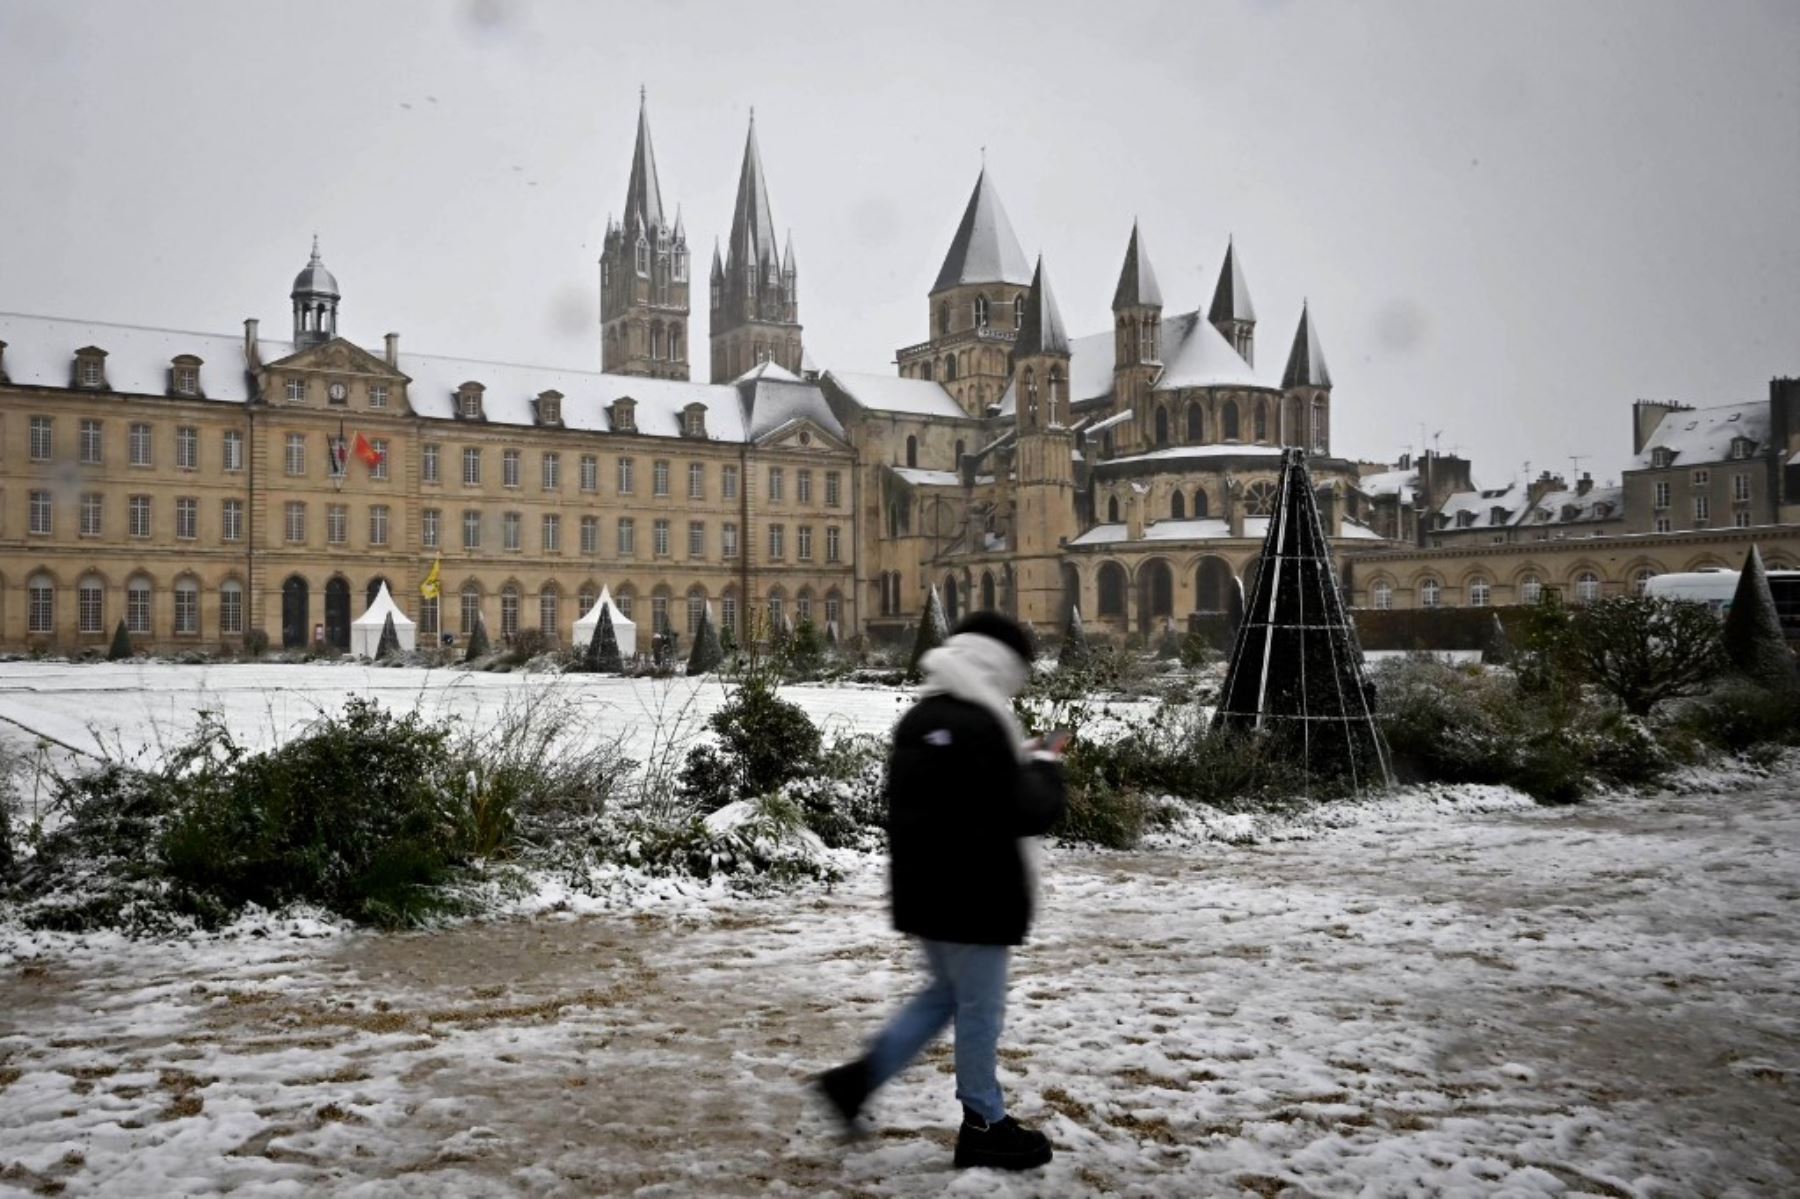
(964, 791)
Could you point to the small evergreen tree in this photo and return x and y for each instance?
(1753, 637)
(934, 630)
(603, 650)
(1075, 653)
(478, 640)
(389, 645)
(708, 652)
(806, 650)
(120, 649)
(1497, 649)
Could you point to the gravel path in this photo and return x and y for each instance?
(1601, 1000)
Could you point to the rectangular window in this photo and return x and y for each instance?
(378, 524)
(187, 448)
(378, 393)
(430, 525)
(590, 538)
(233, 450)
(1702, 510)
(187, 608)
(231, 609)
(1661, 499)
(428, 463)
(696, 480)
(90, 513)
(728, 611)
(833, 489)
(428, 618)
(380, 469)
(1740, 519)
(41, 438)
(590, 473)
(231, 520)
(1740, 488)
(627, 538)
(509, 468)
(471, 529)
(137, 607)
(659, 531)
(337, 524)
(625, 476)
(40, 513)
(777, 539)
(140, 445)
(803, 486)
(296, 522)
(187, 518)
(471, 611)
(833, 544)
(90, 603)
(803, 543)
(552, 472)
(1702, 478)
(728, 482)
(509, 531)
(296, 390)
(137, 516)
(295, 459)
(659, 613)
(509, 613)
(552, 534)
(1662, 524)
(728, 540)
(92, 453)
(471, 467)
(696, 539)
(659, 477)
(776, 477)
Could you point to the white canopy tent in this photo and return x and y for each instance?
(623, 628)
(365, 630)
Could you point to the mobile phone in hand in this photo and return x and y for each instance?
(1057, 740)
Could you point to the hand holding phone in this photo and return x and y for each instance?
(1057, 740)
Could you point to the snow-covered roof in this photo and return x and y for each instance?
(1195, 354)
(1571, 507)
(928, 478)
(771, 403)
(889, 393)
(984, 248)
(768, 369)
(1697, 435)
(1401, 483)
(40, 352)
(1101, 426)
(1205, 529)
(1492, 508)
(1178, 452)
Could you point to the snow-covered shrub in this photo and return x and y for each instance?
(763, 741)
(1644, 649)
(845, 802)
(753, 841)
(1741, 717)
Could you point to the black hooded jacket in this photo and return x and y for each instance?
(959, 799)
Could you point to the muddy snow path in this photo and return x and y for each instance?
(1602, 1000)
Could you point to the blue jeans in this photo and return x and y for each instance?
(968, 985)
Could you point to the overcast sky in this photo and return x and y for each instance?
(1511, 219)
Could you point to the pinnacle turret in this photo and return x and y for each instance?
(1306, 361)
(1231, 298)
(1041, 332)
(1137, 281)
(643, 192)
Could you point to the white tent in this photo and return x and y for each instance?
(623, 628)
(365, 630)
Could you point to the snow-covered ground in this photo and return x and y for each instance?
(1442, 992)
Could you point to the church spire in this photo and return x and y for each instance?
(1306, 361)
(984, 249)
(1137, 281)
(1232, 314)
(643, 193)
(756, 308)
(1041, 332)
(752, 241)
(644, 274)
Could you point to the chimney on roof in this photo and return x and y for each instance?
(1405, 462)
(250, 339)
(393, 350)
(1585, 484)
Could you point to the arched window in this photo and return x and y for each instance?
(1177, 506)
(834, 608)
(912, 450)
(696, 605)
(659, 609)
(1321, 433)
(1031, 397)
(40, 616)
(987, 590)
(1196, 424)
(137, 605)
(1019, 311)
(1112, 509)
(1640, 582)
(728, 610)
(981, 312)
(1481, 592)
(1162, 426)
(231, 608)
(950, 368)
(1587, 586)
(586, 598)
(1262, 422)
(1228, 421)
(509, 611)
(1431, 592)
(675, 346)
(1056, 387)
(643, 255)
(187, 607)
(470, 612)
(1382, 595)
(1531, 590)
(90, 604)
(777, 611)
(1199, 503)
(1112, 589)
(943, 317)
(549, 610)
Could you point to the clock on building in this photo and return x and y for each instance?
(337, 392)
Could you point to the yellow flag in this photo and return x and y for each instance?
(430, 587)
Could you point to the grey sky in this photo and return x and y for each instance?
(1511, 219)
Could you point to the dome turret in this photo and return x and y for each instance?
(315, 297)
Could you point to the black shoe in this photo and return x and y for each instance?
(1004, 1144)
(845, 1089)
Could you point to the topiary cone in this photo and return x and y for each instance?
(1074, 651)
(707, 652)
(934, 630)
(1753, 639)
(389, 645)
(604, 654)
(478, 640)
(121, 645)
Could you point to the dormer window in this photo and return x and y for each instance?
(184, 375)
(549, 408)
(468, 401)
(1465, 520)
(1661, 458)
(1570, 512)
(1740, 447)
(643, 255)
(693, 420)
(1602, 511)
(623, 412)
(90, 368)
(1497, 516)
